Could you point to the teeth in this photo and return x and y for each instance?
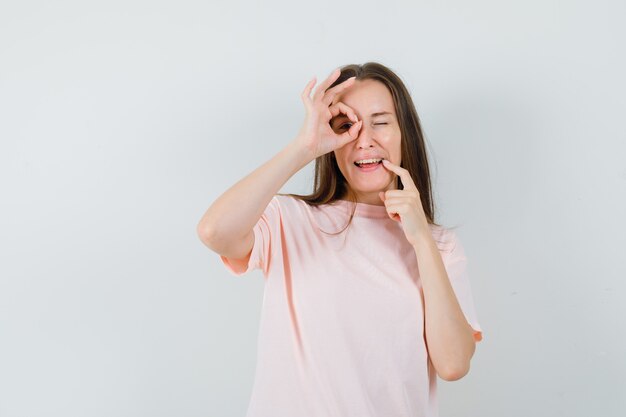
(368, 161)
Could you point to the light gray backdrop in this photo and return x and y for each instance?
(121, 121)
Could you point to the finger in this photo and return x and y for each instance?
(394, 210)
(341, 108)
(404, 175)
(306, 93)
(331, 93)
(319, 91)
(397, 202)
(351, 134)
(354, 129)
(400, 208)
(401, 193)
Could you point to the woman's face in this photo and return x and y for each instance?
(379, 137)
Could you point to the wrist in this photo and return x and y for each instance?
(300, 153)
(424, 240)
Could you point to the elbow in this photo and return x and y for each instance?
(205, 234)
(457, 368)
(212, 238)
(201, 231)
(454, 373)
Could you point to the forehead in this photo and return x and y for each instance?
(367, 97)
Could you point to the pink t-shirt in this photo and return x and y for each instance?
(342, 324)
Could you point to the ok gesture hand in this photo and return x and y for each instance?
(316, 134)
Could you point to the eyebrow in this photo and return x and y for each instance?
(380, 113)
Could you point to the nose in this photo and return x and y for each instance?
(365, 138)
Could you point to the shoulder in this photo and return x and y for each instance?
(282, 202)
(289, 202)
(285, 202)
(299, 213)
(290, 206)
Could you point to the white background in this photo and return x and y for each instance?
(121, 121)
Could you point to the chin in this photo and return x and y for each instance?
(376, 185)
(371, 188)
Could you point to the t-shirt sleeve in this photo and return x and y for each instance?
(456, 266)
(265, 231)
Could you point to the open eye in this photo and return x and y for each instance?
(350, 124)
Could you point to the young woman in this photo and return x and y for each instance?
(367, 300)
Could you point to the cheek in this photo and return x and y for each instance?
(339, 160)
(339, 156)
(392, 141)
(397, 141)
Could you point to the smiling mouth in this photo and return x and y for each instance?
(368, 167)
(368, 163)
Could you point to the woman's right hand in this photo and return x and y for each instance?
(316, 135)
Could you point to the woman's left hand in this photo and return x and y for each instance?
(405, 206)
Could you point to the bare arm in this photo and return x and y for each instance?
(449, 337)
(227, 226)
